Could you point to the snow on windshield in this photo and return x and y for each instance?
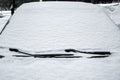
(60, 25)
(115, 15)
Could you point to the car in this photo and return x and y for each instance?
(60, 41)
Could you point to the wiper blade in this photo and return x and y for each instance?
(50, 56)
(42, 55)
(92, 52)
(100, 54)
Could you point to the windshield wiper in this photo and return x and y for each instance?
(97, 54)
(90, 52)
(18, 51)
(42, 55)
(93, 54)
(50, 56)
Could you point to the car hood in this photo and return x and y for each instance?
(15, 68)
(60, 69)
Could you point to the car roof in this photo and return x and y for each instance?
(60, 25)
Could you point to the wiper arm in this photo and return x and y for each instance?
(42, 55)
(17, 50)
(92, 52)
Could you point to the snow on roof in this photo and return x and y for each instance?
(60, 25)
(57, 4)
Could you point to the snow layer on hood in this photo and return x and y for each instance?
(60, 25)
(12, 68)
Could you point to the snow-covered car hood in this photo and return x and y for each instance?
(60, 25)
(15, 68)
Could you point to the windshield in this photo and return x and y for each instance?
(53, 26)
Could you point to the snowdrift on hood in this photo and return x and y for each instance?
(60, 25)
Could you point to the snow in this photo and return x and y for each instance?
(60, 25)
(4, 19)
(113, 10)
(60, 69)
(12, 68)
(115, 15)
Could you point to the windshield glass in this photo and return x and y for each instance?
(53, 26)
